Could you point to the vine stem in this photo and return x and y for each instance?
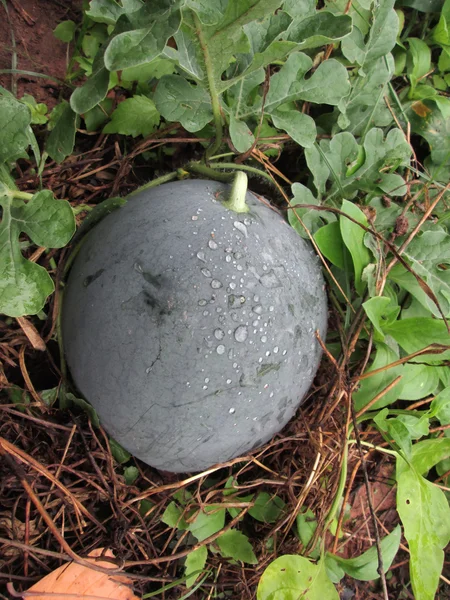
(19, 195)
(212, 89)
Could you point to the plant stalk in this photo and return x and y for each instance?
(212, 89)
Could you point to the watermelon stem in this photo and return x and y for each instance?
(236, 200)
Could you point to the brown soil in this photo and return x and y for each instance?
(37, 50)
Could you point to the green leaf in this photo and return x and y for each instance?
(207, 522)
(130, 474)
(306, 526)
(418, 381)
(365, 100)
(49, 397)
(61, 140)
(425, 455)
(148, 71)
(292, 577)
(109, 11)
(67, 399)
(178, 100)
(381, 313)
(430, 118)
(328, 84)
(195, 561)
(425, 515)
(353, 168)
(300, 8)
(95, 117)
(416, 334)
(234, 544)
(65, 31)
(299, 126)
(85, 97)
(241, 136)
(396, 430)
(417, 426)
(312, 219)
(15, 119)
(118, 451)
(372, 386)
(143, 42)
(331, 244)
(364, 567)
(426, 254)
(25, 286)
(134, 116)
(353, 237)
(422, 5)
(173, 517)
(38, 111)
(267, 508)
(440, 406)
(226, 38)
(381, 39)
(188, 54)
(144, 506)
(441, 33)
(319, 29)
(419, 61)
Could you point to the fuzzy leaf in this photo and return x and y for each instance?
(109, 11)
(381, 39)
(134, 116)
(241, 136)
(430, 118)
(352, 168)
(299, 126)
(24, 286)
(92, 92)
(319, 29)
(148, 30)
(312, 219)
(61, 140)
(178, 100)
(15, 119)
(366, 98)
(328, 85)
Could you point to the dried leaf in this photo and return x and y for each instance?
(83, 582)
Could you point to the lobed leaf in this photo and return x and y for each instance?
(134, 116)
(24, 285)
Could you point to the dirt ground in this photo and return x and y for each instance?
(36, 48)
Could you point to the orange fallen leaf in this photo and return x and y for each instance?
(74, 581)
